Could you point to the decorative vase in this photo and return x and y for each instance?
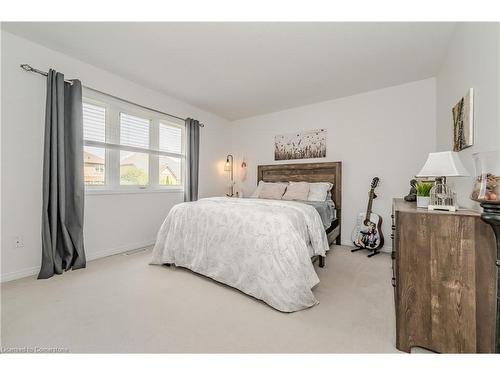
(422, 202)
(486, 189)
(487, 181)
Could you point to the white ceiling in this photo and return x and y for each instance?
(238, 70)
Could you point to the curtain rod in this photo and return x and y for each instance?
(29, 68)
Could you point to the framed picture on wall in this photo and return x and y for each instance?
(303, 145)
(463, 122)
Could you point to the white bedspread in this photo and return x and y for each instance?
(257, 246)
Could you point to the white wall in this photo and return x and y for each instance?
(113, 223)
(473, 61)
(386, 133)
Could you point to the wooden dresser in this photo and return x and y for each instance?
(444, 280)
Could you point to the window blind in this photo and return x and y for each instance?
(170, 138)
(94, 123)
(134, 131)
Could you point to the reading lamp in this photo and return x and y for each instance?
(228, 167)
(441, 165)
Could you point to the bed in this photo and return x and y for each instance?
(311, 172)
(261, 247)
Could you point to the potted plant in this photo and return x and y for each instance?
(423, 194)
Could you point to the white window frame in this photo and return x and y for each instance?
(112, 147)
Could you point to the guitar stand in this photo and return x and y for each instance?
(374, 251)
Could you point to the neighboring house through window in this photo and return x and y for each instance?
(93, 168)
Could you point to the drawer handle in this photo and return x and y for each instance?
(393, 255)
(393, 282)
(392, 216)
(392, 236)
(393, 227)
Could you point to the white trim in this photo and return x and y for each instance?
(135, 190)
(27, 272)
(386, 249)
(9, 276)
(118, 147)
(119, 250)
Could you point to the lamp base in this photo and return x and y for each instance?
(436, 207)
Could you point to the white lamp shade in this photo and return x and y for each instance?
(445, 163)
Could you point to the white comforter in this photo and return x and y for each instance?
(261, 247)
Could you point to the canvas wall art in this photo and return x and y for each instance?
(463, 122)
(303, 145)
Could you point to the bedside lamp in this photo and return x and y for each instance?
(441, 165)
(228, 167)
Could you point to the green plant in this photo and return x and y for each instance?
(131, 175)
(424, 189)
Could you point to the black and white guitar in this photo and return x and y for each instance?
(367, 235)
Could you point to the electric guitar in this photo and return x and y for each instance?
(368, 231)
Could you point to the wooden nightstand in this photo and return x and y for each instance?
(444, 280)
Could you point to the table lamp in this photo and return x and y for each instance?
(441, 165)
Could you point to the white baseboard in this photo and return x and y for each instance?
(26, 272)
(31, 271)
(118, 250)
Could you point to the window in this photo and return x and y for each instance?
(170, 167)
(94, 158)
(93, 165)
(128, 148)
(134, 131)
(134, 166)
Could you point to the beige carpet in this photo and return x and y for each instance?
(122, 304)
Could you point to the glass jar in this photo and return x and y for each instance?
(487, 181)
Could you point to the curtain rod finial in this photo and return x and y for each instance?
(26, 67)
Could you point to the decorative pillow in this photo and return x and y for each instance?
(329, 195)
(256, 193)
(296, 191)
(318, 191)
(272, 190)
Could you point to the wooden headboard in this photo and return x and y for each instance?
(309, 172)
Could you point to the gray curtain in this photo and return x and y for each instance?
(63, 189)
(192, 160)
